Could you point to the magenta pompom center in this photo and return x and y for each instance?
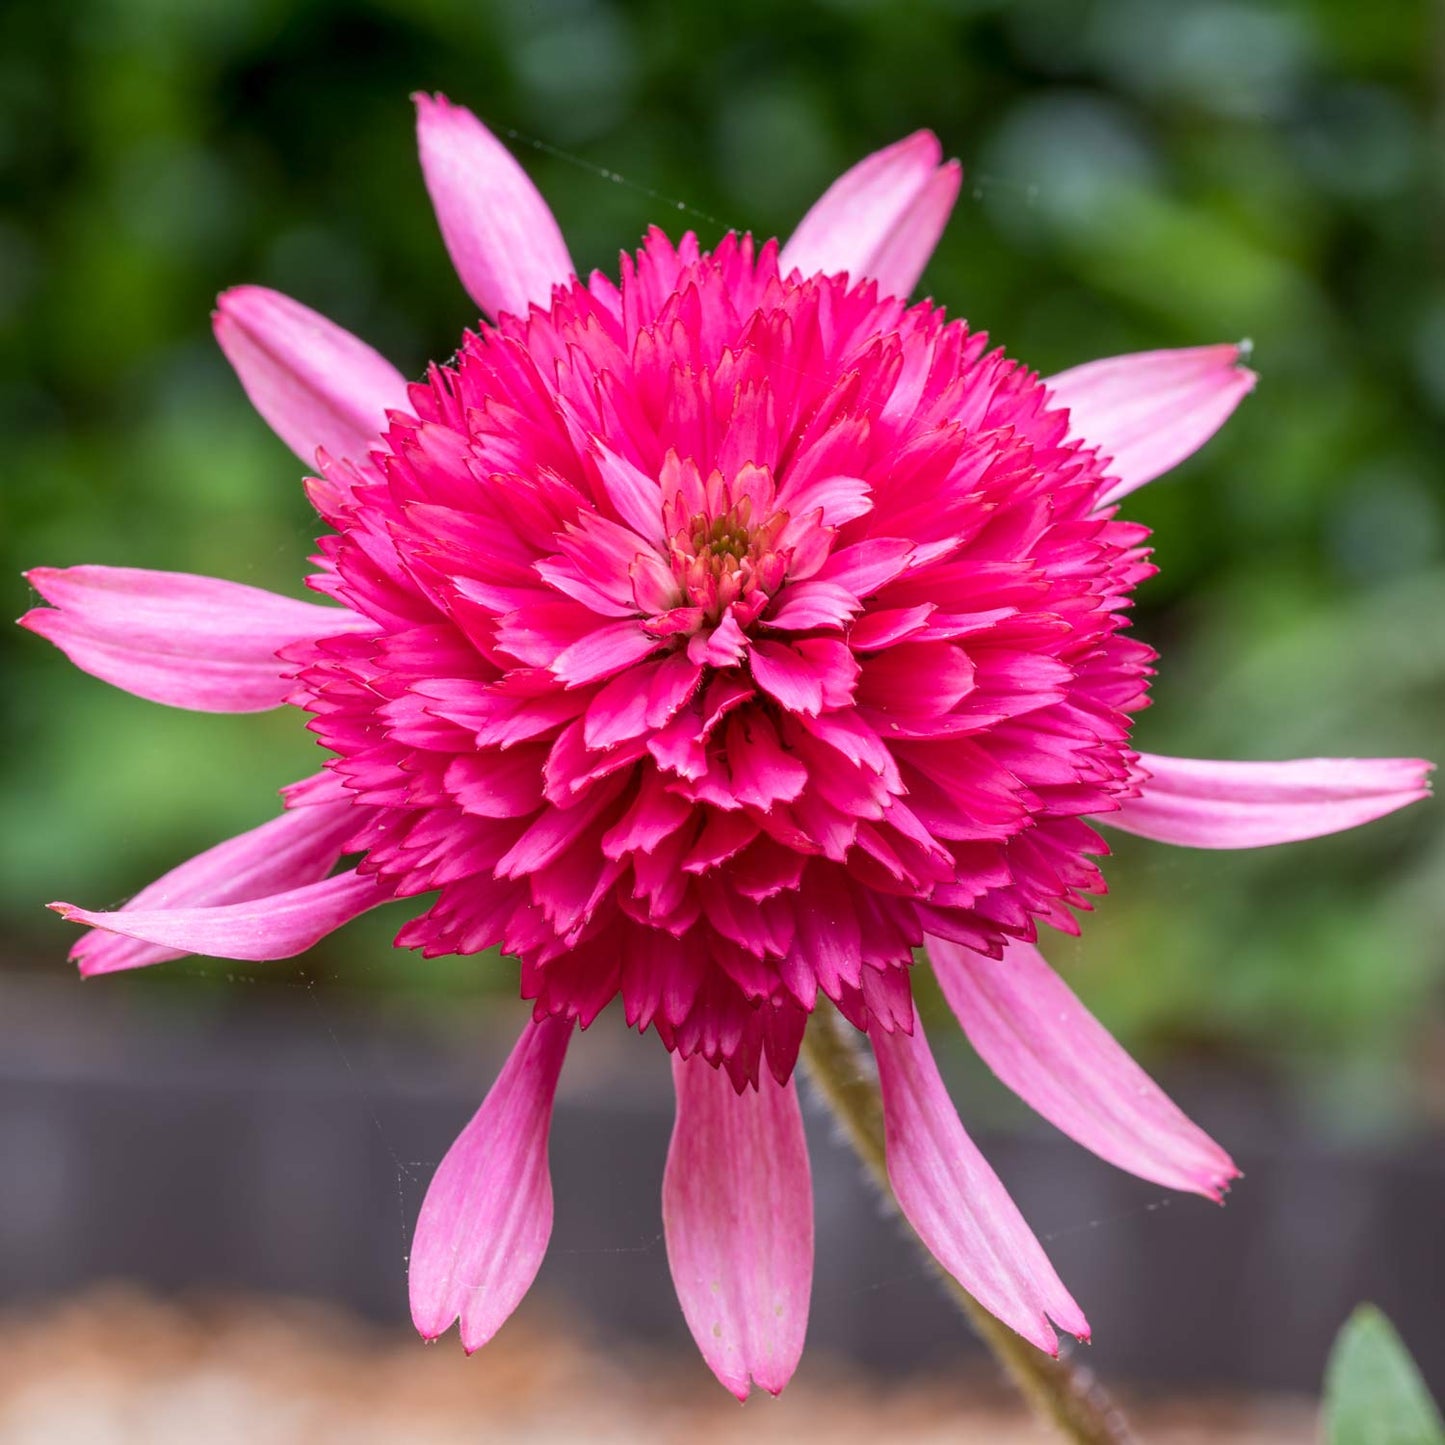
(733, 630)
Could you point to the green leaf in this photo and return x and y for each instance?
(1373, 1393)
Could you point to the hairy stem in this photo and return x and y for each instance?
(1064, 1396)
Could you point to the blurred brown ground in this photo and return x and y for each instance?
(116, 1367)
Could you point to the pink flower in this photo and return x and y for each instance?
(713, 640)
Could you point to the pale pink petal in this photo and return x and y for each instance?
(301, 846)
(737, 1207)
(1149, 411)
(881, 219)
(317, 385)
(955, 1201)
(500, 233)
(907, 249)
(1056, 1056)
(192, 642)
(1200, 803)
(278, 926)
(487, 1216)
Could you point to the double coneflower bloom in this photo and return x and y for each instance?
(713, 638)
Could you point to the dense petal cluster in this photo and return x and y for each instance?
(715, 639)
(731, 631)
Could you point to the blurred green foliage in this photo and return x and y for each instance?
(1140, 174)
(1373, 1391)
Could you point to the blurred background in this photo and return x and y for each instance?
(1137, 175)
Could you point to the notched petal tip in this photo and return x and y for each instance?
(1219, 1187)
(47, 581)
(1246, 378)
(1073, 1324)
(234, 299)
(433, 107)
(1227, 1182)
(246, 308)
(79, 955)
(923, 143)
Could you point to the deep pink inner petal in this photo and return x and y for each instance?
(728, 630)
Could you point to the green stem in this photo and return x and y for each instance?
(1064, 1396)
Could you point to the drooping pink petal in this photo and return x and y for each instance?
(1201, 803)
(316, 385)
(487, 1215)
(1149, 411)
(301, 846)
(737, 1207)
(500, 233)
(192, 642)
(1055, 1055)
(278, 926)
(955, 1201)
(881, 219)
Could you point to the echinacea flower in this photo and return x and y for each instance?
(714, 639)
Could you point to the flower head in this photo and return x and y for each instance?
(711, 639)
(730, 630)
